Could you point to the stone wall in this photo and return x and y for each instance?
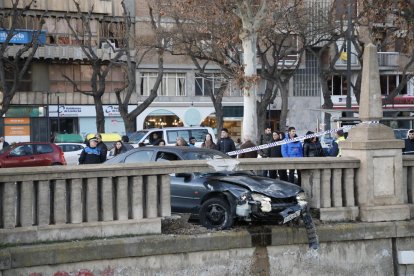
(346, 249)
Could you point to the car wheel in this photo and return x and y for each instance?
(215, 213)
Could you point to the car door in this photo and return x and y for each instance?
(43, 154)
(21, 156)
(185, 189)
(71, 152)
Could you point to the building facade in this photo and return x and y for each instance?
(48, 100)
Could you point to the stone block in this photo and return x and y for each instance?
(384, 213)
(339, 214)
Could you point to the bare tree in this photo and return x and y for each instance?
(200, 34)
(15, 65)
(390, 25)
(100, 68)
(142, 48)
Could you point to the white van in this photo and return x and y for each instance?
(170, 135)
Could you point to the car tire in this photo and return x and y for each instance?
(215, 213)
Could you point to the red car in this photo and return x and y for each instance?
(31, 154)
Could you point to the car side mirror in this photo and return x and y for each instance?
(186, 176)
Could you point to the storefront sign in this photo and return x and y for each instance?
(83, 111)
(17, 129)
(22, 36)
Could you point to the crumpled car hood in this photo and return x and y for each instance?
(270, 187)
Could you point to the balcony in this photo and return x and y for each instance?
(62, 52)
(386, 60)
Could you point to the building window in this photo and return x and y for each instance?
(81, 75)
(25, 84)
(389, 83)
(306, 81)
(207, 83)
(173, 84)
(337, 85)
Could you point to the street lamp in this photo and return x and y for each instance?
(348, 59)
(58, 116)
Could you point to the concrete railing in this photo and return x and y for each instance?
(72, 202)
(408, 181)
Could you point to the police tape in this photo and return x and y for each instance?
(296, 139)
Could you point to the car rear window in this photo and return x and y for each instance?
(69, 148)
(139, 156)
(199, 134)
(44, 148)
(172, 135)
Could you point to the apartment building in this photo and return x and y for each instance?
(47, 101)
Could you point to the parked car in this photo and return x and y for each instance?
(170, 135)
(31, 154)
(219, 198)
(71, 151)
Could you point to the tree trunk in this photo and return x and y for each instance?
(100, 118)
(284, 93)
(250, 89)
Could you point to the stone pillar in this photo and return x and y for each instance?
(380, 194)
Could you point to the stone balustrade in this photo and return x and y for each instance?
(408, 181)
(73, 202)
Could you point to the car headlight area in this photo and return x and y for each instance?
(265, 202)
(301, 198)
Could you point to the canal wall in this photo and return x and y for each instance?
(345, 249)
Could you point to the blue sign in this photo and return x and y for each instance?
(22, 36)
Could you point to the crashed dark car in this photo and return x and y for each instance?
(221, 197)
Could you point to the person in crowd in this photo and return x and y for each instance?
(3, 143)
(266, 138)
(102, 147)
(161, 142)
(192, 141)
(155, 139)
(119, 148)
(125, 142)
(334, 150)
(225, 144)
(276, 152)
(292, 149)
(247, 144)
(208, 142)
(92, 153)
(181, 142)
(312, 147)
(409, 143)
(238, 143)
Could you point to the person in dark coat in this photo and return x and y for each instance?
(91, 154)
(225, 144)
(409, 143)
(3, 143)
(125, 142)
(312, 147)
(248, 144)
(101, 146)
(276, 152)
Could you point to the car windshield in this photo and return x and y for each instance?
(194, 155)
(137, 136)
